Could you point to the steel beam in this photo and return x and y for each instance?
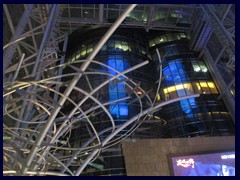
(19, 30)
(101, 10)
(69, 89)
(123, 126)
(9, 20)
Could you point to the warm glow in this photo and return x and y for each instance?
(188, 86)
(165, 91)
(203, 84)
(179, 87)
(139, 92)
(211, 85)
(171, 89)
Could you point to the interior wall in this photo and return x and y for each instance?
(149, 157)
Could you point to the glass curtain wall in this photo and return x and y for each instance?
(122, 51)
(184, 74)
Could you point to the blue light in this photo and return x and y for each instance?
(186, 107)
(177, 71)
(117, 88)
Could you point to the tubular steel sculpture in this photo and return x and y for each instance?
(37, 131)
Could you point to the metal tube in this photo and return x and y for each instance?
(222, 29)
(226, 12)
(103, 84)
(82, 148)
(160, 74)
(18, 68)
(98, 102)
(105, 141)
(38, 59)
(11, 27)
(144, 113)
(61, 62)
(45, 38)
(219, 55)
(231, 83)
(71, 86)
(19, 30)
(101, 10)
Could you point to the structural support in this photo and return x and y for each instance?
(45, 38)
(18, 68)
(8, 55)
(9, 20)
(108, 138)
(160, 75)
(61, 62)
(69, 89)
(151, 15)
(101, 10)
(219, 56)
(28, 107)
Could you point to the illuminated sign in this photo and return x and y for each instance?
(230, 156)
(203, 164)
(185, 162)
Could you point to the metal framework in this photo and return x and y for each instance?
(32, 125)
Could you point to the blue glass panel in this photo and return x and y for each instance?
(111, 72)
(177, 79)
(113, 96)
(186, 108)
(180, 67)
(167, 74)
(123, 110)
(183, 77)
(114, 109)
(126, 65)
(173, 68)
(181, 92)
(111, 63)
(117, 88)
(192, 101)
(119, 65)
(112, 87)
(121, 95)
(121, 87)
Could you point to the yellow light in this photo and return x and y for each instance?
(186, 85)
(199, 88)
(171, 89)
(203, 84)
(139, 92)
(156, 117)
(158, 97)
(210, 84)
(179, 86)
(165, 91)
